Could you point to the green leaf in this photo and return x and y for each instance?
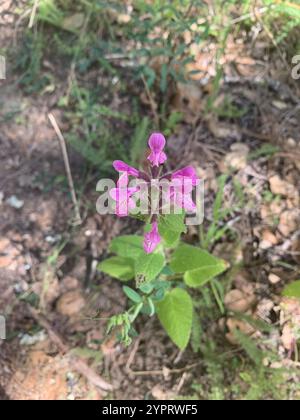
(175, 313)
(170, 237)
(128, 246)
(198, 265)
(292, 290)
(146, 288)
(149, 266)
(174, 222)
(118, 267)
(170, 227)
(167, 271)
(132, 294)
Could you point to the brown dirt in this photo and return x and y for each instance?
(30, 159)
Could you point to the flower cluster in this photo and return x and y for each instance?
(179, 194)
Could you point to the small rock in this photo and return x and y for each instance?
(237, 159)
(14, 202)
(237, 301)
(264, 309)
(270, 212)
(70, 303)
(240, 147)
(123, 18)
(279, 105)
(50, 239)
(291, 142)
(30, 340)
(289, 222)
(274, 279)
(4, 244)
(279, 186)
(268, 239)
(288, 337)
(269, 236)
(224, 130)
(5, 261)
(70, 283)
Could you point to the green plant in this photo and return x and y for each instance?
(218, 227)
(93, 133)
(292, 290)
(164, 269)
(28, 60)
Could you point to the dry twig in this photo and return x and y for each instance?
(76, 362)
(33, 13)
(58, 132)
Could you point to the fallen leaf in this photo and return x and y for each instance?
(279, 186)
(238, 301)
(289, 222)
(235, 324)
(70, 303)
(74, 22)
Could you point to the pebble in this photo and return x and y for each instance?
(15, 202)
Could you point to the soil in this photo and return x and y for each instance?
(73, 296)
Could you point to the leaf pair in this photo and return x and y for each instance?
(197, 266)
(175, 312)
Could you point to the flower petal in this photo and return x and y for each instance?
(157, 142)
(162, 158)
(152, 239)
(186, 173)
(123, 180)
(121, 166)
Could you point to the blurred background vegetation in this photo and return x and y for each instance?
(139, 50)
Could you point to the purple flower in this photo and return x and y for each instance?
(186, 173)
(121, 166)
(152, 239)
(180, 194)
(157, 143)
(177, 194)
(122, 196)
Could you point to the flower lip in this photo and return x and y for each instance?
(186, 173)
(121, 166)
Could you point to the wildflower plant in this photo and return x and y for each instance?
(159, 266)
